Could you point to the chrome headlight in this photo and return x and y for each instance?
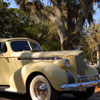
(86, 63)
(67, 63)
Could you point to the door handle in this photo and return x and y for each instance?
(7, 59)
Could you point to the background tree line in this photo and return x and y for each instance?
(58, 25)
(16, 23)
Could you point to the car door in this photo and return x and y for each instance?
(4, 65)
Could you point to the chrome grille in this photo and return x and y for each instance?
(80, 66)
(87, 78)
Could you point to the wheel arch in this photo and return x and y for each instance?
(30, 77)
(52, 93)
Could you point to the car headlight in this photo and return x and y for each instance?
(86, 63)
(67, 63)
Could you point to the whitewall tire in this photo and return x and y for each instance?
(40, 88)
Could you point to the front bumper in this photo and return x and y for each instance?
(80, 85)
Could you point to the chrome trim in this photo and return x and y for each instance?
(85, 78)
(68, 87)
(41, 91)
(80, 85)
(38, 58)
(82, 76)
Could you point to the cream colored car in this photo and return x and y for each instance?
(26, 69)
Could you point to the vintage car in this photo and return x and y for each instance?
(26, 69)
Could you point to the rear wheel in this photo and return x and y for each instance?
(84, 95)
(40, 89)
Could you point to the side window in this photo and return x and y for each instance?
(3, 47)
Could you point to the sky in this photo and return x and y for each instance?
(96, 15)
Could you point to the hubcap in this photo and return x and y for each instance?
(41, 91)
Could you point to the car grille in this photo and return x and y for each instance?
(81, 76)
(80, 66)
(87, 78)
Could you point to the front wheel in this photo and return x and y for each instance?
(40, 89)
(86, 94)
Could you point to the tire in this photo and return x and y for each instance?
(40, 89)
(84, 95)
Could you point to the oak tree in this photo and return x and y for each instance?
(68, 16)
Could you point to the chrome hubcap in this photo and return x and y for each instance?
(41, 91)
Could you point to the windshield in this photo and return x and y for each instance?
(35, 46)
(25, 46)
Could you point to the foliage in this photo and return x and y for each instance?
(45, 34)
(94, 37)
(16, 23)
(88, 54)
(68, 16)
(90, 42)
(11, 21)
(84, 44)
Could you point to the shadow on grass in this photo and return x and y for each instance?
(66, 97)
(14, 96)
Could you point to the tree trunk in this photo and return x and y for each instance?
(98, 59)
(64, 36)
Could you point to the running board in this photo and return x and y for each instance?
(3, 87)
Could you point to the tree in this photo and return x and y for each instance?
(94, 40)
(44, 33)
(68, 16)
(86, 46)
(12, 20)
(16, 23)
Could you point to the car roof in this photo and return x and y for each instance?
(12, 39)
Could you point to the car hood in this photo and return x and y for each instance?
(46, 54)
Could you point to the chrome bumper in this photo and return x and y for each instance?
(79, 86)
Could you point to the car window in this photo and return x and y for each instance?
(3, 47)
(35, 46)
(20, 46)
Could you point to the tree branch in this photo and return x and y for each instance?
(38, 7)
(57, 6)
(85, 7)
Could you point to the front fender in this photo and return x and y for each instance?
(91, 71)
(51, 71)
